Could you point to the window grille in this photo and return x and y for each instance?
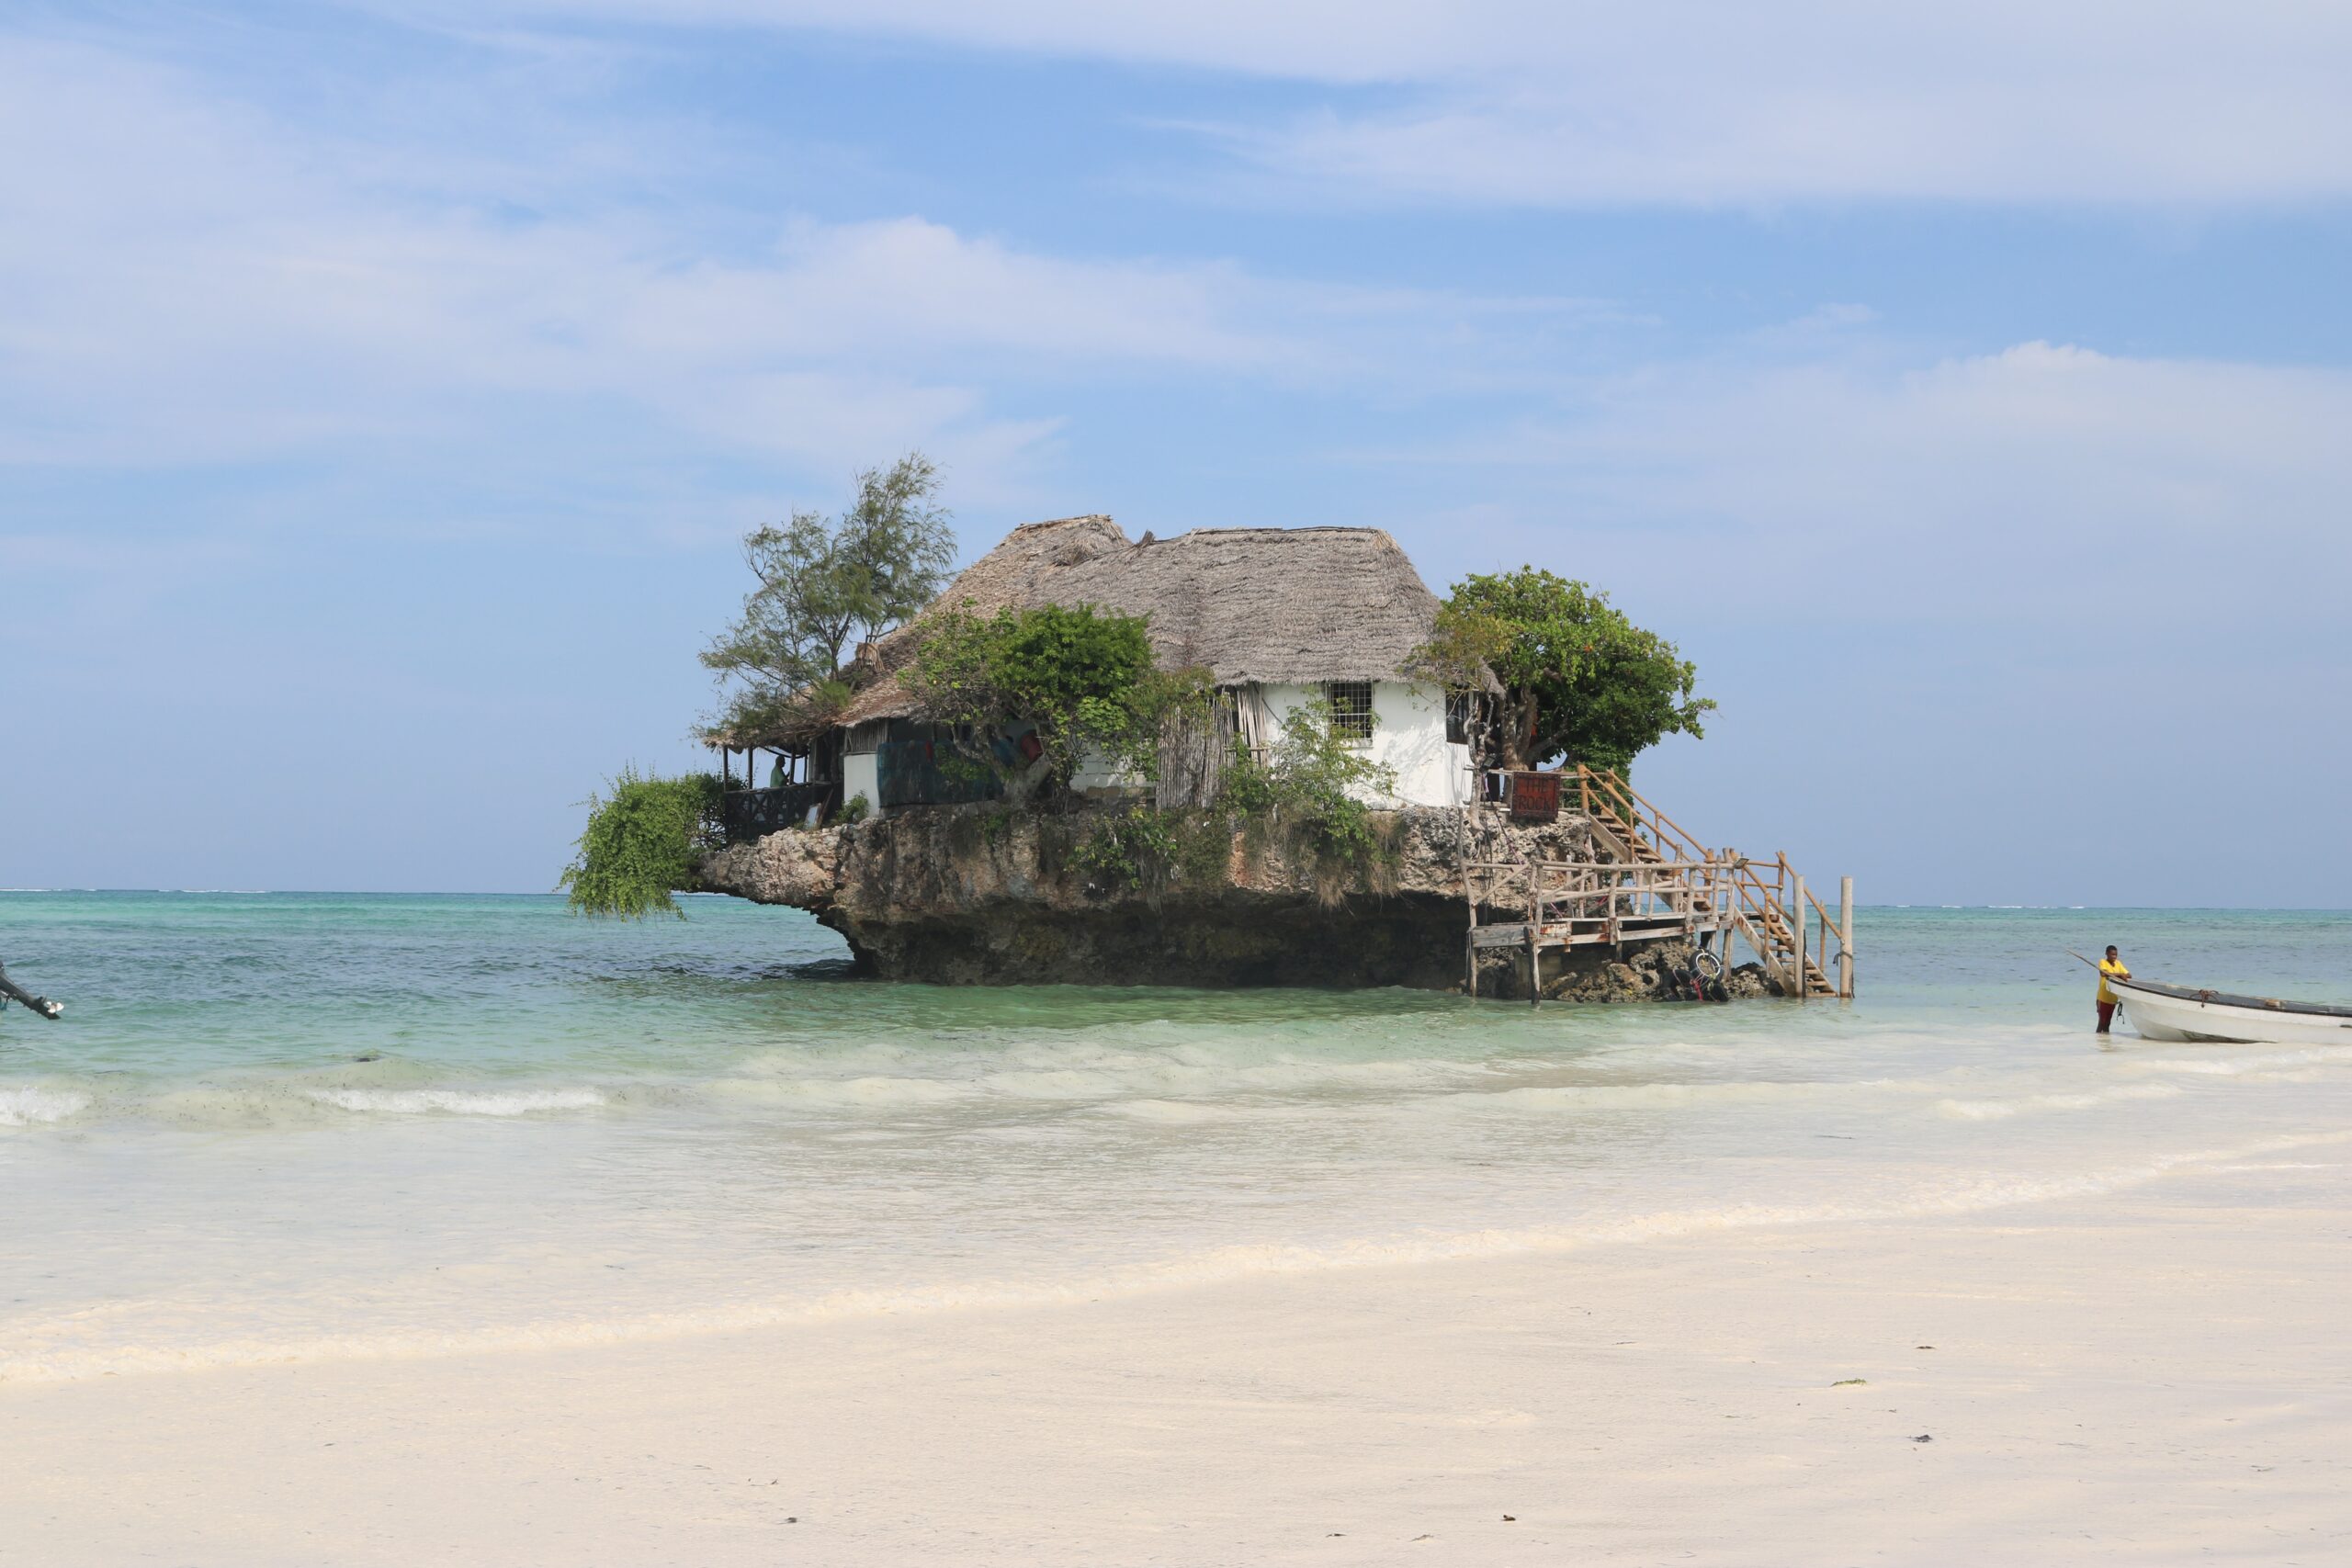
(1351, 710)
(1457, 717)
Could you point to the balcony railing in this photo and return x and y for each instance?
(748, 814)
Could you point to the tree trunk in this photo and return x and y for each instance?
(1518, 729)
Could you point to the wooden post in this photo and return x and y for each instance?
(1845, 938)
(1535, 925)
(1470, 903)
(1804, 991)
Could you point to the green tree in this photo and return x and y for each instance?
(825, 585)
(1083, 677)
(1579, 679)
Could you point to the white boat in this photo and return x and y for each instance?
(2182, 1012)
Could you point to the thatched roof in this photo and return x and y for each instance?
(1265, 604)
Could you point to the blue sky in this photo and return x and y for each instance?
(384, 388)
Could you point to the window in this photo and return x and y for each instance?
(1351, 710)
(1457, 717)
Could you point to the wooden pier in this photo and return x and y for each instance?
(1650, 880)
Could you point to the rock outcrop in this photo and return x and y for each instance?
(976, 895)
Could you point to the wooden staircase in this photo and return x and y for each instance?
(1770, 904)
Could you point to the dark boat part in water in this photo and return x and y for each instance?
(11, 991)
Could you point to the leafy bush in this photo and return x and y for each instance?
(1308, 788)
(856, 808)
(641, 844)
(1134, 849)
(1083, 678)
(1305, 795)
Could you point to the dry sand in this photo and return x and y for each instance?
(2154, 1376)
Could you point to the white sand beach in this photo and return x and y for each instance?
(2155, 1373)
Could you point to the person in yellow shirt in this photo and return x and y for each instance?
(2110, 968)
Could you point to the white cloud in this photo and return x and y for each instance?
(184, 278)
(2027, 485)
(1687, 101)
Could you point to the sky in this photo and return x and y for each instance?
(384, 390)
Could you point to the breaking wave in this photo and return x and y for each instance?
(458, 1103)
(30, 1107)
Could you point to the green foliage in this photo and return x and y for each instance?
(1302, 796)
(1083, 678)
(1133, 849)
(641, 842)
(1578, 678)
(1308, 788)
(824, 584)
(1147, 850)
(856, 808)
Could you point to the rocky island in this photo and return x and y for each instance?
(1234, 757)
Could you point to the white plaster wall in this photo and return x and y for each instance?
(861, 774)
(1407, 735)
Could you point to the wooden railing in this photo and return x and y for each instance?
(1697, 894)
(1646, 832)
(1794, 936)
(1590, 903)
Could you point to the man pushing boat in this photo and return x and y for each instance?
(2110, 968)
(10, 991)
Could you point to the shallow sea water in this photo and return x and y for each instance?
(281, 1127)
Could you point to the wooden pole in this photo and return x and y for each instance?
(1797, 908)
(1470, 903)
(1534, 925)
(1846, 937)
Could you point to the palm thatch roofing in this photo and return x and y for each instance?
(1251, 604)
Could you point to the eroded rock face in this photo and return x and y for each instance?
(973, 895)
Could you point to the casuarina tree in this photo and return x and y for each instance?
(824, 585)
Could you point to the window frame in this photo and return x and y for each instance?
(1346, 717)
(1461, 716)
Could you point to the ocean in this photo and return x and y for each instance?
(305, 1127)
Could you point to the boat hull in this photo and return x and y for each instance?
(2160, 1017)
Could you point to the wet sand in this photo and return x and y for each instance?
(2153, 1375)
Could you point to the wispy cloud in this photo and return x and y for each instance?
(2017, 487)
(190, 278)
(1687, 102)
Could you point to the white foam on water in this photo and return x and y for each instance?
(40, 1107)
(1672, 1096)
(2235, 1066)
(458, 1103)
(1209, 1267)
(2025, 1105)
(1073, 1072)
(873, 1093)
(1157, 1075)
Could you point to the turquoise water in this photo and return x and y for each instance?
(296, 1126)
